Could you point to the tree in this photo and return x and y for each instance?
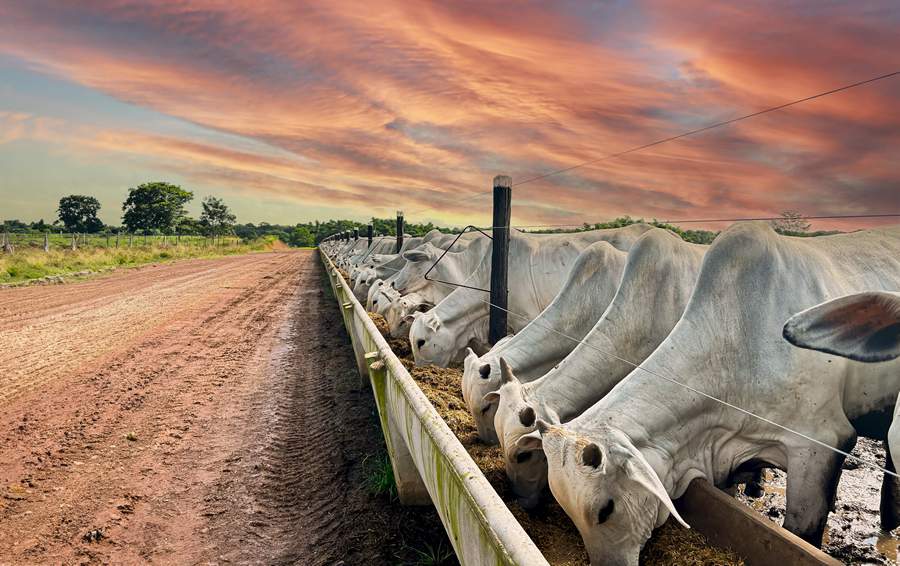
(40, 226)
(216, 217)
(155, 206)
(188, 226)
(13, 226)
(78, 213)
(791, 221)
(301, 237)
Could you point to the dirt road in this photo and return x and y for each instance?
(196, 412)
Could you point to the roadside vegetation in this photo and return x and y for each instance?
(379, 476)
(34, 263)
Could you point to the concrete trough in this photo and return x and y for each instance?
(431, 466)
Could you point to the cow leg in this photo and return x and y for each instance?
(754, 487)
(812, 477)
(890, 495)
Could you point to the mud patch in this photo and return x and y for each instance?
(854, 534)
(549, 527)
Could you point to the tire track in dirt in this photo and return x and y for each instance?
(108, 325)
(312, 433)
(158, 384)
(20, 304)
(228, 426)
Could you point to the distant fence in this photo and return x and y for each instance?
(10, 242)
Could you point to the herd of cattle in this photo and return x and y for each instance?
(757, 328)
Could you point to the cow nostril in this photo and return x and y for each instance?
(419, 343)
(485, 371)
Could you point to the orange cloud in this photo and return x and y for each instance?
(387, 104)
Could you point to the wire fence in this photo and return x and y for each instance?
(676, 380)
(12, 242)
(665, 140)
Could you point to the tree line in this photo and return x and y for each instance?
(159, 208)
(308, 234)
(149, 208)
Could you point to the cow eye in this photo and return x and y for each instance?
(604, 513)
(522, 457)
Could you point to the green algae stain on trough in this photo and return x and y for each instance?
(481, 528)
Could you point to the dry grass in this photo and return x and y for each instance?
(29, 263)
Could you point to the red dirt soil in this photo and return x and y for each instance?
(200, 411)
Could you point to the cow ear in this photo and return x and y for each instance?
(639, 470)
(491, 397)
(530, 441)
(415, 256)
(506, 373)
(864, 327)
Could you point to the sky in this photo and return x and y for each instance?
(293, 111)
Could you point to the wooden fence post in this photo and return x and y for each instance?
(46, 242)
(74, 242)
(356, 233)
(370, 233)
(107, 240)
(399, 230)
(500, 258)
(117, 240)
(130, 239)
(7, 245)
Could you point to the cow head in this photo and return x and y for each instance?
(431, 342)
(403, 311)
(864, 327)
(478, 380)
(608, 489)
(480, 377)
(520, 441)
(418, 262)
(383, 299)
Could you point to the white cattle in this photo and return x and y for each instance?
(455, 266)
(383, 297)
(538, 266)
(616, 468)
(361, 251)
(400, 314)
(589, 287)
(864, 327)
(659, 277)
(381, 261)
(378, 267)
